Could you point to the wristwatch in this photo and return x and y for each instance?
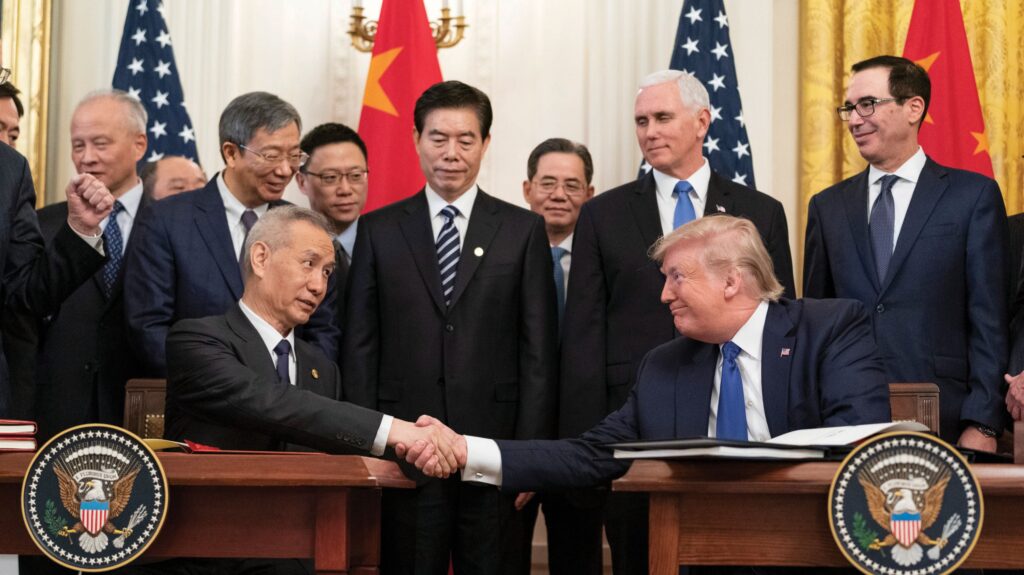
(985, 430)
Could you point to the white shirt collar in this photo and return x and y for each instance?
(347, 238)
(270, 336)
(909, 171)
(749, 337)
(463, 203)
(566, 244)
(699, 180)
(130, 200)
(232, 206)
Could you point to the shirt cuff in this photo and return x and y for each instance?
(95, 242)
(483, 461)
(380, 441)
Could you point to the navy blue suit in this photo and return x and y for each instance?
(940, 315)
(182, 264)
(831, 376)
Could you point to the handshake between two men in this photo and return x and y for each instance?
(430, 445)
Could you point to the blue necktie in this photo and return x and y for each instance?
(556, 254)
(283, 351)
(732, 413)
(881, 225)
(684, 207)
(448, 252)
(249, 219)
(113, 244)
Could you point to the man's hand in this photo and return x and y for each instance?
(89, 201)
(1015, 395)
(971, 438)
(429, 445)
(522, 499)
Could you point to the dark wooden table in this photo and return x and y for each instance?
(767, 513)
(325, 507)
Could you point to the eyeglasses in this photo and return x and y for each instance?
(864, 108)
(354, 177)
(570, 187)
(5, 75)
(295, 160)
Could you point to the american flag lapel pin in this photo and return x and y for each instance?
(785, 352)
(721, 208)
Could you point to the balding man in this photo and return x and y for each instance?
(171, 175)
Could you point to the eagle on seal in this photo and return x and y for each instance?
(90, 498)
(905, 508)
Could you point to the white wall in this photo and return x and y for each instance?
(566, 68)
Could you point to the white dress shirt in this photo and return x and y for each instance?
(902, 191)
(233, 210)
(666, 185)
(126, 219)
(464, 203)
(271, 337)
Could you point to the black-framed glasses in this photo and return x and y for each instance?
(5, 75)
(864, 108)
(295, 160)
(330, 177)
(570, 187)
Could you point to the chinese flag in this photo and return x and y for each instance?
(404, 64)
(953, 133)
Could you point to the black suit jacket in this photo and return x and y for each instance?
(485, 365)
(33, 280)
(1016, 250)
(613, 313)
(940, 314)
(831, 376)
(223, 390)
(84, 358)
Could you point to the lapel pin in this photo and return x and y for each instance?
(785, 352)
(478, 252)
(721, 208)
(316, 374)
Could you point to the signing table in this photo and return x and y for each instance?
(325, 507)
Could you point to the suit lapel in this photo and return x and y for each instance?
(718, 197)
(777, 351)
(694, 381)
(483, 224)
(644, 206)
(254, 354)
(419, 236)
(213, 228)
(855, 200)
(931, 184)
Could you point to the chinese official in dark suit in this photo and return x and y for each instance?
(613, 315)
(335, 181)
(750, 366)
(923, 247)
(452, 313)
(185, 260)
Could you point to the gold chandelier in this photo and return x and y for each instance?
(447, 31)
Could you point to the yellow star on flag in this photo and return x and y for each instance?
(982, 142)
(375, 96)
(927, 61)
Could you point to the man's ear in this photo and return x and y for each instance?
(733, 283)
(259, 254)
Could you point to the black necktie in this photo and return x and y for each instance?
(881, 225)
(283, 351)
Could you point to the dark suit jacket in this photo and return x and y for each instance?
(613, 314)
(34, 280)
(182, 264)
(940, 315)
(222, 390)
(486, 365)
(84, 358)
(831, 377)
(1016, 259)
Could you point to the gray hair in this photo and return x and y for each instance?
(246, 114)
(135, 118)
(729, 242)
(273, 227)
(691, 90)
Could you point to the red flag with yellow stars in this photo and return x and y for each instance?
(404, 64)
(953, 133)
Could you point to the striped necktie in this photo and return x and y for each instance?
(448, 252)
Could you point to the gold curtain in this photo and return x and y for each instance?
(834, 34)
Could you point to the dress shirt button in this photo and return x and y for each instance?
(880, 308)
(750, 404)
(449, 328)
(479, 475)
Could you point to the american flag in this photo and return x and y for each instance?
(146, 70)
(703, 49)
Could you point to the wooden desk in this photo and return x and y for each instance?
(766, 513)
(325, 507)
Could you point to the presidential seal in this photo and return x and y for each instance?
(905, 503)
(94, 498)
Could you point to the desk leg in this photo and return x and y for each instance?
(348, 532)
(664, 534)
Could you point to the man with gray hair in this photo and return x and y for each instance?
(186, 262)
(613, 316)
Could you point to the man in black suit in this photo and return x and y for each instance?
(923, 247)
(185, 262)
(334, 179)
(11, 112)
(613, 312)
(452, 313)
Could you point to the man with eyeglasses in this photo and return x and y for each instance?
(923, 246)
(334, 179)
(185, 262)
